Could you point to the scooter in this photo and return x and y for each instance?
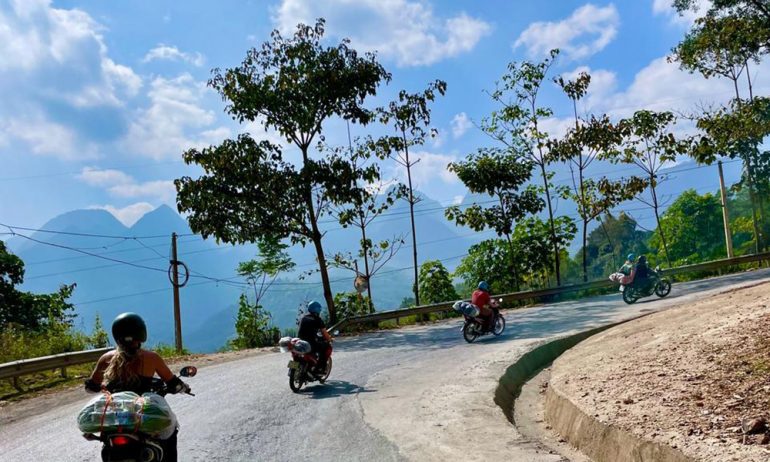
(473, 327)
(660, 286)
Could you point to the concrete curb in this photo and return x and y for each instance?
(601, 442)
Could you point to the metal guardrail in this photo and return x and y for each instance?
(14, 369)
(535, 294)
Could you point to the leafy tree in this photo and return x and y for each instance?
(501, 174)
(25, 310)
(754, 13)
(409, 115)
(517, 126)
(253, 326)
(248, 190)
(352, 304)
(99, 337)
(435, 283)
(407, 302)
(373, 203)
(723, 44)
(694, 224)
(597, 138)
(649, 144)
(261, 273)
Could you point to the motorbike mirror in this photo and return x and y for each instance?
(188, 371)
(336, 333)
(500, 300)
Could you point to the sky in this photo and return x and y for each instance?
(100, 99)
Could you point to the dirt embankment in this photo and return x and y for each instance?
(696, 378)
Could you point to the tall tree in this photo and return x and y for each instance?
(249, 191)
(597, 138)
(375, 200)
(517, 125)
(261, 273)
(409, 115)
(723, 44)
(501, 174)
(649, 144)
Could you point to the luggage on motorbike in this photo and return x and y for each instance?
(128, 412)
(284, 343)
(466, 308)
(623, 279)
(301, 346)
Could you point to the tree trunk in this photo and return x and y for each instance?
(514, 273)
(411, 215)
(556, 259)
(585, 250)
(657, 219)
(316, 237)
(366, 269)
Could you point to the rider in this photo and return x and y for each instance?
(130, 368)
(642, 278)
(483, 301)
(628, 266)
(309, 328)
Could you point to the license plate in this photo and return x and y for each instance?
(293, 365)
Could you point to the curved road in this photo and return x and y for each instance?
(377, 405)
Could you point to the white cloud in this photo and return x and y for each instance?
(47, 138)
(172, 53)
(38, 41)
(460, 124)
(407, 31)
(687, 18)
(127, 215)
(457, 200)
(120, 184)
(175, 120)
(585, 33)
(430, 169)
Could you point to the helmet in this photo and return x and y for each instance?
(631, 257)
(314, 307)
(642, 259)
(484, 286)
(129, 327)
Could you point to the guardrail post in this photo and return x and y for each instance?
(64, 372)
(15, 383)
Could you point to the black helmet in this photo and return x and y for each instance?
(129, 327)
(642, 259)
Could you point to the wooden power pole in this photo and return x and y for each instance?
(725, 213)
(175, 284)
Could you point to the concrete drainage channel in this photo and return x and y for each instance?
(599, 441)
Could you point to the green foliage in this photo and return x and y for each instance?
(407, 302)
(352, 304)
(435, 283)
(253, 327)
(610, 243)
(99, 337)
(248, 190)
(693, 224)
(169, 351)
(262, 272)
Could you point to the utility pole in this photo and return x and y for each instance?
(725, 213)
(175, 284)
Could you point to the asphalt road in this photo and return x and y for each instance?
(244, 410)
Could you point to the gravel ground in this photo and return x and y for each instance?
(696, 377)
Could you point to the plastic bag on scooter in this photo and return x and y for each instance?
(284, 344)
(128, 412)
(301, 346)
(466, 308)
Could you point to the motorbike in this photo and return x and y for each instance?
(302, 367)
(473, 327)
(658, 285)
(137, 447)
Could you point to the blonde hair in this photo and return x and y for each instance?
(122, 368)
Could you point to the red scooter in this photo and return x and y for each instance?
(302, 367)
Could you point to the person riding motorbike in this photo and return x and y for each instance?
(309, 327)
(642, 279)
(483, 302)
(628, 266)
(130, 368)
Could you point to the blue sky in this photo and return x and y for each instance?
(99, 99)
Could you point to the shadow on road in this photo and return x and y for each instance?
(335, 389)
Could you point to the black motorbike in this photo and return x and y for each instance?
(473, 327)
(657, 285)
(136, 447)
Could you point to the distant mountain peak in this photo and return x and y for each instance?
(162, 220)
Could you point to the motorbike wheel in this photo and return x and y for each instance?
(663, 288)
(499, 326)
(296, 380)
(629, 297)
(469, 332)
(328, 371)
